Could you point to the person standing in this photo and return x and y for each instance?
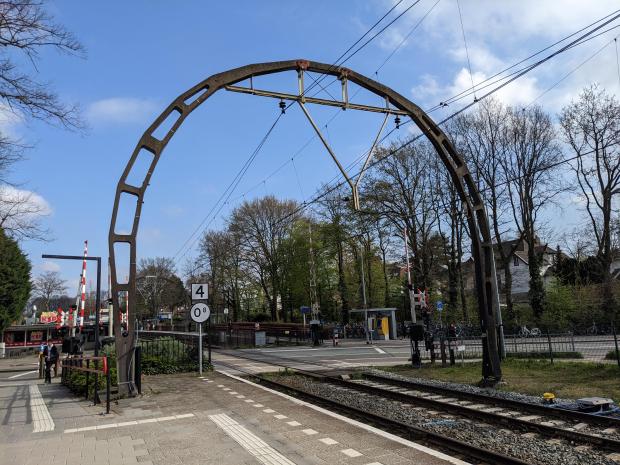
(47, 356)
(42, 348)
(54, 358)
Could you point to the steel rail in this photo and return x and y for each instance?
(524, 425)
(490, 417)
(398, 428)
(500, 402)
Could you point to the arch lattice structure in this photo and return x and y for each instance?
(186, 103)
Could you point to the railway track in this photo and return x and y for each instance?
(504, 403)
(485, 413)
(465, 451)
(480, 408)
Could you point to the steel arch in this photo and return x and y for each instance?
(187, 102)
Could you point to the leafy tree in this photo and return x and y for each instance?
(14, 280)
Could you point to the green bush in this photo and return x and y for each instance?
(545, 355)
(611, 355)
(167, 356)
(76, 380)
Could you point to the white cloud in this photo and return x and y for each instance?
(120, 110)
(30, 202)
(10, 120)
(49, 266)
(498, 35)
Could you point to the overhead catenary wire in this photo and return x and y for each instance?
(227, 192)
(337, 112)
(339, 61)
(402, 42)
(471, 74)
(563, 78)
(526, 70)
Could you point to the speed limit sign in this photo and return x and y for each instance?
(200, 312)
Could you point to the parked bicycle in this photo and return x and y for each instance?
(525, 332)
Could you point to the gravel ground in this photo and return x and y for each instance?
(532, 450)
(469, 388)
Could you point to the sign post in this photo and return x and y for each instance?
(200, 313)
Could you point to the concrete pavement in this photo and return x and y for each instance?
(182, 419)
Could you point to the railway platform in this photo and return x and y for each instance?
(184, 419)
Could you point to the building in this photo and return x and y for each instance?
(519, 268)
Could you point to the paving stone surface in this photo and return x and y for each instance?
(182, 419)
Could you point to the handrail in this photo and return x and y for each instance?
(77, 364)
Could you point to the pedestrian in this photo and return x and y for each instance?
(42, 348)
(54, 358)
(47, 355)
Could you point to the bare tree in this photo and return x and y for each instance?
(220, 255)
(531, 170)
(158, 285)
(262, 225)
(482, 137)
(21, 214)
(26, 29)
(591, 126)
(47, 285)
(401, 189)
(335, 212)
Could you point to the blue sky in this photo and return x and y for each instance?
(142, 54)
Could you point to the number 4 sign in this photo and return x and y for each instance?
(200, 291)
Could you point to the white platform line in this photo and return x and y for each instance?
(129, 423)
(263, 452)
(364, 426)
(41, 418)
(381, 351)
(22, 374)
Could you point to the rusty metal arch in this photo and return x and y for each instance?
(187, 102)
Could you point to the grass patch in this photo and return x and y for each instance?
(544, 355)
(533, 377)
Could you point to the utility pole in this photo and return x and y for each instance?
(409, 285)
(368, 340)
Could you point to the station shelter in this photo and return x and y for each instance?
(381, 322)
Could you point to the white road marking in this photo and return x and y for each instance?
(129, 423)
(263, 452)
(371, 429)
(293, 423)
(351, 453)
(41, 418)
(381, 351)
(278, 416)
(249, 401)
(22, 374)
(309, 431)
(328, 441)
(258, 405)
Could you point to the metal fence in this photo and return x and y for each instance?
(566, 346)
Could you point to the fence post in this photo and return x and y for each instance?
(613, 329)
(137, 370)
(442, 345)
(550, 347)
(87, 378)
(572, 340)
(107, 388)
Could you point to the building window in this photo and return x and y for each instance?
(515, 260)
